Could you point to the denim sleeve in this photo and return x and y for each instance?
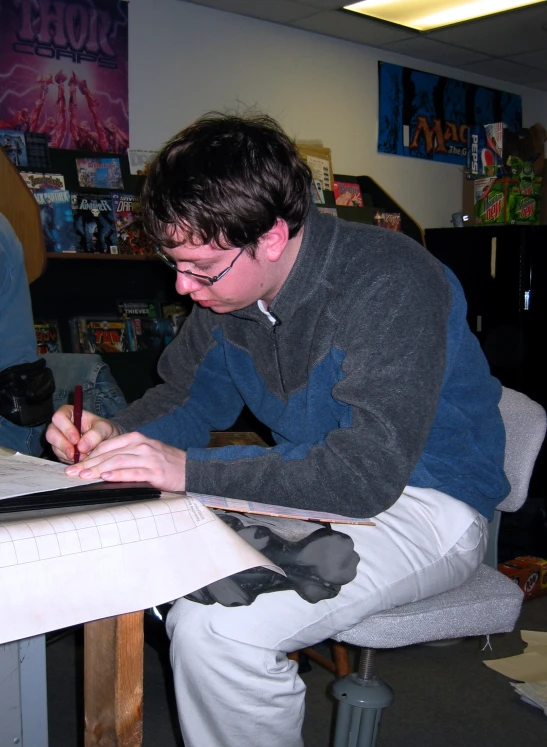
(102, 394)
(107, 398)
(26, 440)
(17, 335)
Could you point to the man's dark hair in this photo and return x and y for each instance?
(225, 180)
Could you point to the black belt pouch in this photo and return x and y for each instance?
(26, 393)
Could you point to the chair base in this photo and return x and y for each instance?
(442, 642)
(360, 705)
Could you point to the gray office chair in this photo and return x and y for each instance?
(485, 604)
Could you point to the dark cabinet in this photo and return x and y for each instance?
(503, 272)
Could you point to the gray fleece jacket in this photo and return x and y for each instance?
(370, 379)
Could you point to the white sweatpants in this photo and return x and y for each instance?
(234, 684)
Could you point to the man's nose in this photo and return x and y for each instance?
(185, 284)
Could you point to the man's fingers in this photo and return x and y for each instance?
(64, 436)
(134, 457)
(119, 465)
(60, 444)
(63, 456)
(101, 431)
(115, 442)
(62, 420)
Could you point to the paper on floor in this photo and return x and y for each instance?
(534, 693)
(530, 668)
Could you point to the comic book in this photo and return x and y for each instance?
(131, 309)
(57, 220)
(94, 223)
(327, 210)
(317, 192)
(176, 313)
(74, 324)
(347, 193)
(107, 335)
(129, 228)
(99, 173)
(13, 142)
(150, 334)
(38, 180)
(48, 339)
(140, 160)
(388, 220)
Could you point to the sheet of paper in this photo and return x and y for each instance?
(536, 639)
(61, 569)
(22, 475)
(531, 665)
(268, 509)
(534, 693)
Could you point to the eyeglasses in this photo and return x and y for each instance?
(205, 279)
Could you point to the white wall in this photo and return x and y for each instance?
(185, 59)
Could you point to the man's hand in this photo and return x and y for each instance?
(133, 457)
(64, 436)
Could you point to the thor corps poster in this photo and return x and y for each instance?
(63, 71)
(422, 115)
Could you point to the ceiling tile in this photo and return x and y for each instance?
(353, 28)
(500, 36)
(534, 59)
(434, 51)
(324, 4)
(507, 70)
(481, 46)
(280, 11)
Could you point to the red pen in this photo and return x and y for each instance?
(78, 406)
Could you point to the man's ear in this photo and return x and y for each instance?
(275, 240)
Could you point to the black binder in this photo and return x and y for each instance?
(93, 494)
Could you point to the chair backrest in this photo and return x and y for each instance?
(525, 423)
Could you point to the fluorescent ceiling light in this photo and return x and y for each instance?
(424, 15)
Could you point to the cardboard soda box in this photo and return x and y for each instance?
(529, 572)
(485, 150)
(523, 171)
(531, 188)
(491, 198)
(520, 169)
(523, 210)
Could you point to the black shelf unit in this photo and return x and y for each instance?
(503, 271)
(92, 284)
(80, 285)
(376, 198)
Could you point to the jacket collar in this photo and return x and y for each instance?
(308, 270)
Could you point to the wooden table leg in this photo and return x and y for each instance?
(113, 687)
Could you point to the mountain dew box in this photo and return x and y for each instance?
(520, 169)
(531, 188)
(530, 184)
(523, 210)
(492, 200)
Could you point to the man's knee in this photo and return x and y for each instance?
(188, 626)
